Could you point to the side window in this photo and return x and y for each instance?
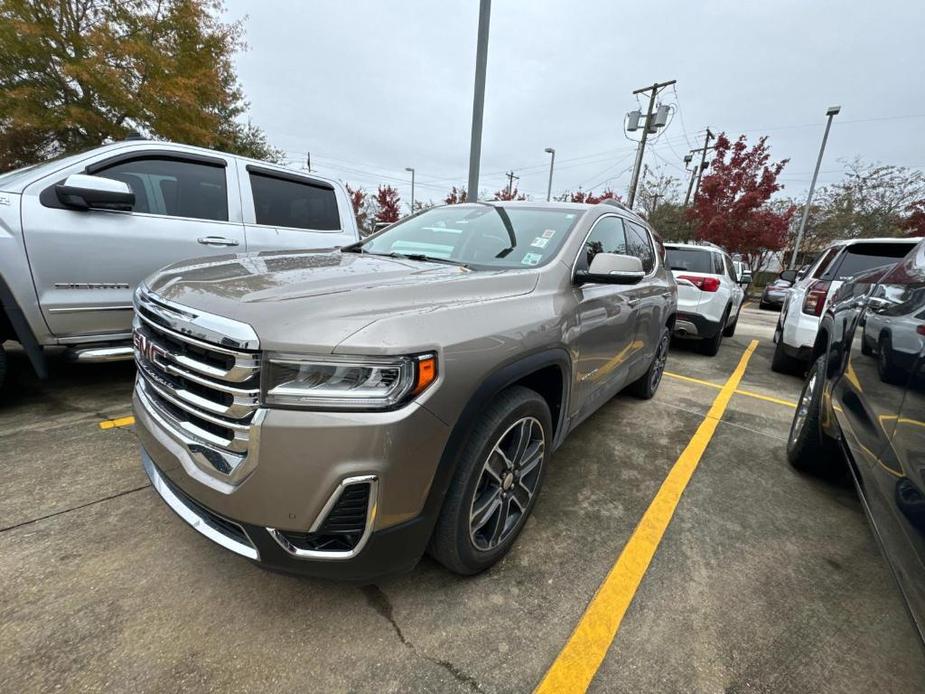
(174, 187)
(281, 202)
(606, 237)
(730, 270)
(638, 244)
(825, 262)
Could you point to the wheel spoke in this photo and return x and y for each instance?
(521, 496)
(497, 464)
(485, 509)
(498, 531)
(506, 461)
(523, 434)
(531, 459)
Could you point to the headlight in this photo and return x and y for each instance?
(334, 382)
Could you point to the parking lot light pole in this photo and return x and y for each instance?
(478, 100)
(830, 113)
(552, 163)
(411, 169)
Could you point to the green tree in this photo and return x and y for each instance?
(77, 73)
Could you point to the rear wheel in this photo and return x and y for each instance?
(646, 386)
(808, 448)
(710, 346)
(496, 484)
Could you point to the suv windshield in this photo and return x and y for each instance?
(690, 259)
(488, 236)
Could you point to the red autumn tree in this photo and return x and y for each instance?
(387, 202)
(509, 194)
(455, 196)
(591, 198)
(733, 208)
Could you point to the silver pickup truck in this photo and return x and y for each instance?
(78, 234)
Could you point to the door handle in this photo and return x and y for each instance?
(216, 241)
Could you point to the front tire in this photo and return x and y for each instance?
(646, 386)
(500, 474)
(809, 448)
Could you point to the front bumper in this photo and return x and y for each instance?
(300, 460)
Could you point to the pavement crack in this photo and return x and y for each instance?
(380, 602)
(75, 508)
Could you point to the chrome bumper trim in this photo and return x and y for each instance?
(371, 508)
(202, 524)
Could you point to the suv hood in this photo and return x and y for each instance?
(313, 300)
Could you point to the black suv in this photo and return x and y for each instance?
(864, 401)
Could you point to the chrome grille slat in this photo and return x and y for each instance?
(205, 392)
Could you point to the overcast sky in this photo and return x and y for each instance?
(372, 87)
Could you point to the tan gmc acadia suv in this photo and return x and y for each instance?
(339, 412)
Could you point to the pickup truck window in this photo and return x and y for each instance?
(607, 236)
(490, 236)
(283, 202)
(173, 187)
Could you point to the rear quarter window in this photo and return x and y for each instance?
(866, 256)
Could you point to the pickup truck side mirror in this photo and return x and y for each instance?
(84, 192)
(612, 268)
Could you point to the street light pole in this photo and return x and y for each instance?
(478, 100)
(830, 113)
(408, 168)
(552, 163)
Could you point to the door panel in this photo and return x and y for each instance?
(87, 263)
(606, 313)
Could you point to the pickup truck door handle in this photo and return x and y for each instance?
(216, 241)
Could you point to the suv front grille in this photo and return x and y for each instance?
(205, 385)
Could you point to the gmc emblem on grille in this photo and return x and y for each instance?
(146, 348)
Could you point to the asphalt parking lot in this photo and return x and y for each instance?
(764, 580)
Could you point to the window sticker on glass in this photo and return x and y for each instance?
(531, 259)
(540, 242)
(549, 233)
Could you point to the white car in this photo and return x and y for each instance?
(710, 293)
(807, 299)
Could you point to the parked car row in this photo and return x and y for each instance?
(863, 401)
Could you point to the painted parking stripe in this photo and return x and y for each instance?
(580, 658)
(747, 393)
(115, 423)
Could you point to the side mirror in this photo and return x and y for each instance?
(745, 279)
(612, 268)
(84, 192)
(788, 276)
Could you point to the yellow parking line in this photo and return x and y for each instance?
(578, 662)
(120, 422)
(747, 393)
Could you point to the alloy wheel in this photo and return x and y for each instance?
(661, 358)
(507, 483)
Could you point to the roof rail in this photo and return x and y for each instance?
(616, 203)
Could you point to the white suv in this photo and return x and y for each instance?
(709, 293)
(806, 300)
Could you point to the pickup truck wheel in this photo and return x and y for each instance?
(646, 386)
(496, 484)
(808, 448)
(710, 346)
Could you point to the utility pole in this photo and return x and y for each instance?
(510, 183)
(308, 161)
(830, 113)
(478, 100)
(703, 158)
(552, 163)
(647, 124)
(408, 168)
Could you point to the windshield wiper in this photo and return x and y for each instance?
(421, 257)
